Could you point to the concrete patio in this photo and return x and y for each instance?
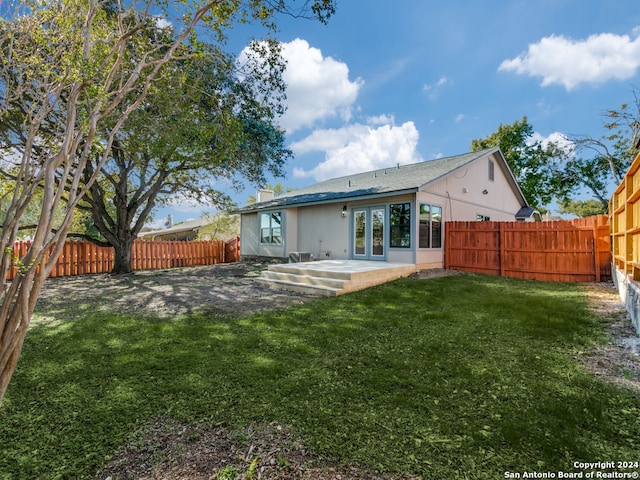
(329, 278)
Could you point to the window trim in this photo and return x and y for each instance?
(430, 226)
(271, 228)
(401, 227)
(492, 170)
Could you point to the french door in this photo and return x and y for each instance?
(368, 233)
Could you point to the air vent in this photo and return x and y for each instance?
(297, 257)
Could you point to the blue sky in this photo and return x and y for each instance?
(379, 86)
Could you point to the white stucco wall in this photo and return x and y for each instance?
(461, 197)
(290, 216)
(250, 237)
(249, 231)
(323, 231)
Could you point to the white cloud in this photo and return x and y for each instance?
(433, 90)
(442, 81)
(359, 148)
(318, 87)
(560, 139)
(563, 61)
(163, 23)
(383, 119)
(459, 117)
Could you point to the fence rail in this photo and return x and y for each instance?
(564, 251)
(84, 257)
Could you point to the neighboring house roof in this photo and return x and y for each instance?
(384, 182)
(526, 212)
(180, 228)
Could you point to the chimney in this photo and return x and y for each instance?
(264, 195)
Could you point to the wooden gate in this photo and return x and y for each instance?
(564, 251)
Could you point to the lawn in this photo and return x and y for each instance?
(456, 377)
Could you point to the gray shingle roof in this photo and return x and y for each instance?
(402, 178)
(525, 212)
(188, 226)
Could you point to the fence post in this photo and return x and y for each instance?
(501, 249)
(447, 240)
(596, 249)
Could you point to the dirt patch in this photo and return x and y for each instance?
(165, 449)
(618, 361)
(435, 273)
(218, 290)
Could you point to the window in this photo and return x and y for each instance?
(491, 170)
(400, 225)
(271, 228)
(430, 234)
(482, 218)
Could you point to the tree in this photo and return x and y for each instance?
(191, 133)
(581, 208)
(612, 153)
(221, 226)
(529, 160)
(71, 74)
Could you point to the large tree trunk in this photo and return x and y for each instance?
(122, 260)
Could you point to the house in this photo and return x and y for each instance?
(395, 214)
(184, 231)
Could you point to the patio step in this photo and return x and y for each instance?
(309, 289)
(332, 277)
(305, 279)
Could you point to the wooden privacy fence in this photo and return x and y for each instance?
(624, 209)
(84, 257)
(564, 251)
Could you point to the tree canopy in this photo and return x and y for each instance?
(581, 208)
(211, 125)
(596, 163)
(529, 160)
(568, 167)
(72, 72)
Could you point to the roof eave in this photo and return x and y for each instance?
(460, 167)
(272, 205)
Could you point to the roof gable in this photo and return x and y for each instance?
(402, 178)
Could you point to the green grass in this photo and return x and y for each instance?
(455, 377)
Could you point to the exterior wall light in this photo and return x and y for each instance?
(344, 211)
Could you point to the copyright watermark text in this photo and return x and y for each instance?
(585, 470)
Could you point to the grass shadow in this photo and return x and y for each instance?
(455, 377)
